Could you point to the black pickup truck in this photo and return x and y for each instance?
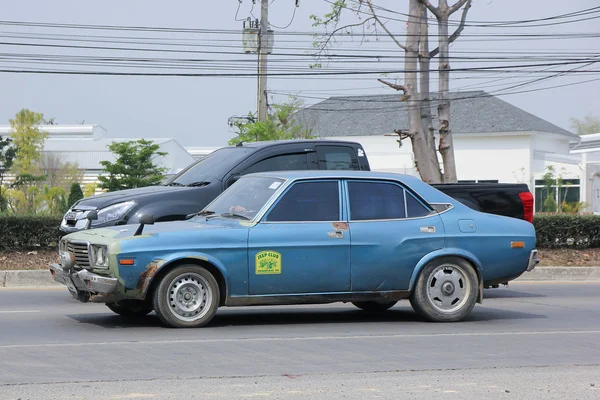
(196, 186)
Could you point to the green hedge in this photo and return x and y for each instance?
(29, 232)
(567, 231)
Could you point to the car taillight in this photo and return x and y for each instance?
(527, 200)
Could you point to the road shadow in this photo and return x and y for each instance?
(509, 293)
(272, 316)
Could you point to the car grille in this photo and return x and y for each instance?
(80, 250)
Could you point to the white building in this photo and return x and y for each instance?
(589, 152)
(494, 141)
(87, 145)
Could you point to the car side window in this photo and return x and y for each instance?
(376, 201)
(414, 207)
(337, 157)
(308, 201)
(286, 162)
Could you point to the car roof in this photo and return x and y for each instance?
(268, 143)
(427, 192)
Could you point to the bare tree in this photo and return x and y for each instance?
(417, 66)
(60, 173)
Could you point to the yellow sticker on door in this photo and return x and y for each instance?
(268, 263)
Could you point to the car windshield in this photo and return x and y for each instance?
(213, 166)
(244, 199)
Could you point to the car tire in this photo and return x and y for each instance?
(374, 306)
(131, 308)
(446, 290)
(187, 297)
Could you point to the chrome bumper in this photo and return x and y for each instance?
(533, 260)
(83, 284)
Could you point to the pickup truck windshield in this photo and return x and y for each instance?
(213, 166)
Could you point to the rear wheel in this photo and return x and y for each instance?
(374, 306)
(187, 297)
(131, 308)
(446, 290)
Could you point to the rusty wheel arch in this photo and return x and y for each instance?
(190, 261)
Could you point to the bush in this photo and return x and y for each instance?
(29, 232)
(564, 230)
(75, 194)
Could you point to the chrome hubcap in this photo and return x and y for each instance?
(189, 297)
(448, 288)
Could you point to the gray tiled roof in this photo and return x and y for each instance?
(471, 112)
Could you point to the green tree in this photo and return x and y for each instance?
(134, 166)
(75, 194)
(28, 139)
(54, 198)
(7, 155)
(281, 124)
(586, 126)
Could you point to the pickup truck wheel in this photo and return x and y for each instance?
(374, 306)
(446, 290)
(130, 308)
(187, 297)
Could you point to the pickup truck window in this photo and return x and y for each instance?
(337, 157)
(308, 201)
(285, 162)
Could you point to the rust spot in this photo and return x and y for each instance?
(148, 274)
(342, 226)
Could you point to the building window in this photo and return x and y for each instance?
(549, 197)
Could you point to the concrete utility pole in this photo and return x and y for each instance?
(263, 32)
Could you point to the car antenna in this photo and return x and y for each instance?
(240, 144)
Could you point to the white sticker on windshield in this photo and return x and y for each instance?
(274, 185)
(361, 153)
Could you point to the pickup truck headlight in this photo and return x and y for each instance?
(113, 213)
(99, 256)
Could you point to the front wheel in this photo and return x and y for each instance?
(446, 290)
(374, 306)
(187, 297)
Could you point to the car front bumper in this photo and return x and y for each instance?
(85, 285)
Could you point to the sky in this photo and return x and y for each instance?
(203, 37)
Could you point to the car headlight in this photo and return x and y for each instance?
(99, 256)
(113, 213)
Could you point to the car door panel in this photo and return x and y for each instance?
(311, 259)
(301, 245)
(391, 230)
(384, 253)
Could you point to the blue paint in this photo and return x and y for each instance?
(333, 256)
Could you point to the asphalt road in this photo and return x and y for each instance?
(527, 341)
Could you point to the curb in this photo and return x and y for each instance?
(25, 278)
(42, 278)
(566, 274)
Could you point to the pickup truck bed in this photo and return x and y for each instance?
(508, 199)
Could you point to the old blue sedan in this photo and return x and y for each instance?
(367, 238)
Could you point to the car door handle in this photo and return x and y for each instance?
(336, 234)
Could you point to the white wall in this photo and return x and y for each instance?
(502, 158)
(554, 151)
(506, 159)
(384, 153)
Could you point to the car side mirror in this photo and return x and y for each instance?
(144, 219)
(91, 216)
